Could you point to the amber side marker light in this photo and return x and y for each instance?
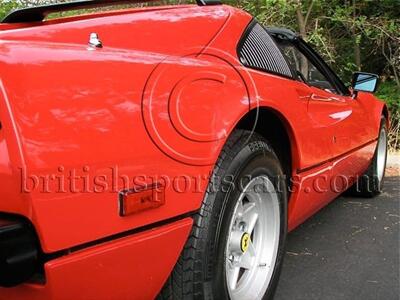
(141, 199)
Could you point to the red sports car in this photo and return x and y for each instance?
(167, 151)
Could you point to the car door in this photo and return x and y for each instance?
(330, 105)
(352, 121)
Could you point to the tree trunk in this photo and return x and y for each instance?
(357, 54)
(357, 49)
(302, 23)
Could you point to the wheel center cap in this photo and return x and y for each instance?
(245, 242)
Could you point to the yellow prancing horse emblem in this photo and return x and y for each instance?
(245, 242)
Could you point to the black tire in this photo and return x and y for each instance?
(370, 184)
(199, 272)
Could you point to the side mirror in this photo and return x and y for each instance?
(365, 82)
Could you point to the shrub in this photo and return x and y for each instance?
(390, 93)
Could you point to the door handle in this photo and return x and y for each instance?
(316, 97)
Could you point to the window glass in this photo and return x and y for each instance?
(304, 68)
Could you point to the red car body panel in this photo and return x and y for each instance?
(65, 108)
(105, 271)
(90, 99)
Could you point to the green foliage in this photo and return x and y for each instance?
(390, 93)
(6, 7)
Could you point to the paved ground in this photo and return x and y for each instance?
(349, 250)
(394, 160)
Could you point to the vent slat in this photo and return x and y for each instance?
(259, 51)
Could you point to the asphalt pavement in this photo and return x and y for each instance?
(349, 250)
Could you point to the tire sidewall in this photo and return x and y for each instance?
(379, 182)
(253, 160)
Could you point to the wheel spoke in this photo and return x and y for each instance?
(250, 216)
(233, 276)
(240, 209)
(248, 208)
(251, 250)
(248, 259)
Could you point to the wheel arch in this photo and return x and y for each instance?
(386, 114)
(274, 127)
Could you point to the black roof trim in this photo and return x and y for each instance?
(282, 33)
(39, 13)
(208, 2)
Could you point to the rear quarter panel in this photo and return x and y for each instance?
(76, 112)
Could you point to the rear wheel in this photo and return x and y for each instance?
(253, 241)
(236, 247)
(371, 183)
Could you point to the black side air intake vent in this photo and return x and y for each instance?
(19, 251)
